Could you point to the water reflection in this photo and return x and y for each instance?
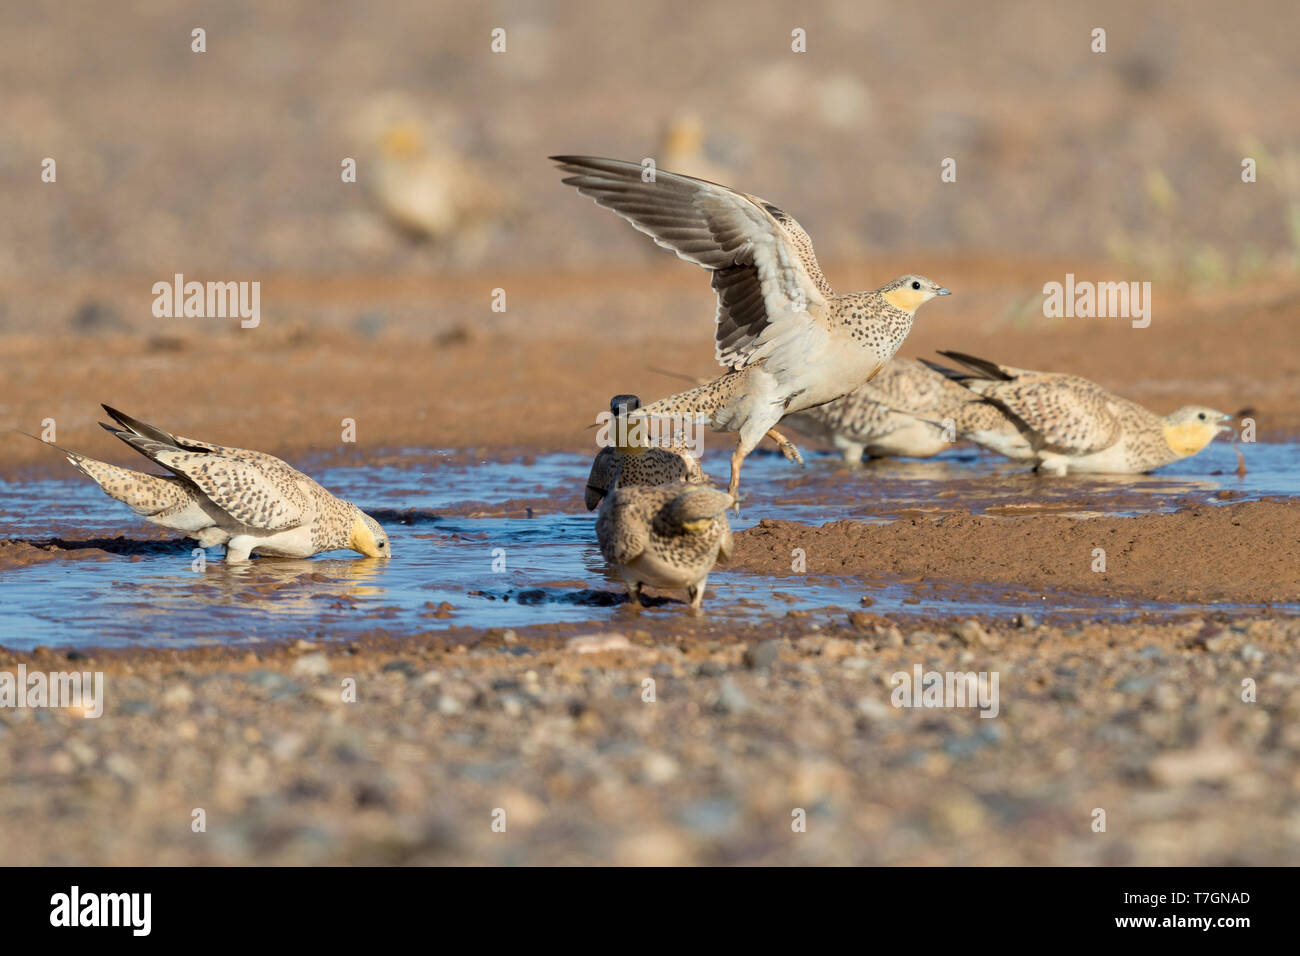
(507, 544)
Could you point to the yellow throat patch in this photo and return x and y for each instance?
(362, 540)
(1189, 437)
(907, 299)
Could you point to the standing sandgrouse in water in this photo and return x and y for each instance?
(666, 536)
(788, 342)
(909, 410)
(634, 458)
(1074, 426)
(247, 500)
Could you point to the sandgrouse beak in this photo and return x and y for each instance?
(943, 292)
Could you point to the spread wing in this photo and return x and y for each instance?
(259, 494)
(771, 291)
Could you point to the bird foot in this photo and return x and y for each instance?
(786, 445)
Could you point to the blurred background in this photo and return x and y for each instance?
(225, 165)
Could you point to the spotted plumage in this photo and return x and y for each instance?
(641, 466)
(665, 536)
(249, 501)
(908, 410)
(788, 342)
(1073, 425)
(634, 459)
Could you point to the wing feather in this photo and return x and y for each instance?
(771, 291)
(260, 494)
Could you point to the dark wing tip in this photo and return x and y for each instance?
(982, 366)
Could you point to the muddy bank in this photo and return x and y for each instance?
(1247, 552)
(744, 730)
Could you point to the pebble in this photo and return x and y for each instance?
(873, 707)
(1205, 763)
(836, 647)
(972, 634)
(120, 767)
(595, 643)
(178, 696)
(863, 621)
(711, 817)
(658, 767)
(311, 665)
(762, 655)
(731, 699)
(268, 679)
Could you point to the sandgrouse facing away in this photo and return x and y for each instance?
(247, 500)
(1073, 425)
(635, 459)
(665, 536)
(788, 341)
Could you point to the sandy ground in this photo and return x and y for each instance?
(1146, 723)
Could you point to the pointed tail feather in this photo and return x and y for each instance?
(982, 367)
(137, 427)
(143, 493)
(952, 374)
(682, 376)
(74, 458)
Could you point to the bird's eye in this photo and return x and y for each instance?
(1201, 416)
(916, 285)
(383, 544)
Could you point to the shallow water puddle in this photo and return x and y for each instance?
(451, 520)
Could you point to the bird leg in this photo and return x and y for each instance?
(786, 445)
(696, 593)
(733, 487)
(238, 548)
